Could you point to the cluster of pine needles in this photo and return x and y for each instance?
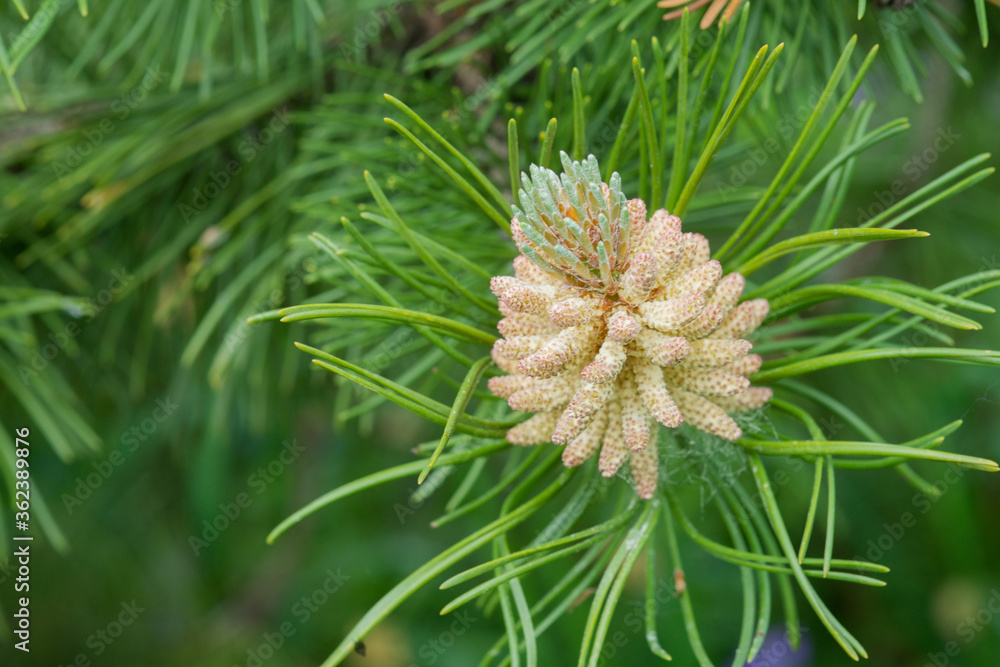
(383, 234)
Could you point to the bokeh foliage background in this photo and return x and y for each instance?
(160, 188)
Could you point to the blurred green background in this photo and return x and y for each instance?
(208, 432)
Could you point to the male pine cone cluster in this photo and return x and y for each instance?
(727, 8)
(613, 322)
